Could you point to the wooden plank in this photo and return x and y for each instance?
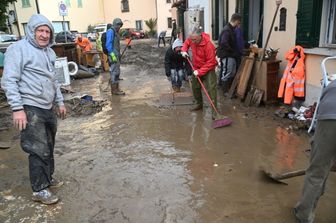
(245, 78)
(236, 79)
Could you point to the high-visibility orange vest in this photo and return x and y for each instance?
(293, 79)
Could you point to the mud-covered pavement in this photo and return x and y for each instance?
(139, 162)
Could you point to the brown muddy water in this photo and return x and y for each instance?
(139, 162)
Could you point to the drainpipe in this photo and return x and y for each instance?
(37, 7)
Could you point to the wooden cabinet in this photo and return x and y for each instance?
(267, 78)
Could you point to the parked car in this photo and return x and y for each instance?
(7, 39)
(101, 28)
(91, 36)
(60, 37)
(135, 34)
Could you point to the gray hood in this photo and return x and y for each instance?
(34, 22)
(177, 43)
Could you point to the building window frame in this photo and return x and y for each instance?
(283, 19)
(67, 3)
(328, 24)
(138, 24)
(124, 6)
(169, 22)
(26, 4)
(79, 3)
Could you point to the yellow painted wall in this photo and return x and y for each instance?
(280, 39)
(138, 10)
(91, 13)
(164, 11)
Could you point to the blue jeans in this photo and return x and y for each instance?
(38, 140)
(114, 71)
(177, 76)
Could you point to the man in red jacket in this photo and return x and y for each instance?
(204, 63)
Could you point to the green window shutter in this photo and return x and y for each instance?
(80, 3)
(25, 3)
(308, 23)
(67, 2)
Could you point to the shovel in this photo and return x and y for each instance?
(254, 92)
(220, 120)
(277, 178)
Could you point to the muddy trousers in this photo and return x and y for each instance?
(210, 83)
(38, 140)
(114, 71)
(323, 156)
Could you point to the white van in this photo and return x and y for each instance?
(101, 28)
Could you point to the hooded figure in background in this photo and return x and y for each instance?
(113, 50)
(31, 87)
(175, 65)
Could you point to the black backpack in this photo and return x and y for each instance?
(103, 40)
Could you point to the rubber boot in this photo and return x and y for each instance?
(115, 90)
(119, 89)
(176, 89)
(196, 107)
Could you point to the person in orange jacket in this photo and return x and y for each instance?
(84, 43)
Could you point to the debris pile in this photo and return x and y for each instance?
(302, 115)
(83, 105)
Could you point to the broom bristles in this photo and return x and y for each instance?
(221, 123)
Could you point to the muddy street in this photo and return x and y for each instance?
(137, 161)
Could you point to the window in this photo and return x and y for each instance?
(316, 23)
(25, 3)
(309, 22)
(124, 6)
(329, 9)
(138, 24)
(80, 3)
(169, 20)
(67, 2)
(283, 17)
(25, 28)
(168, 1)
(58, 26)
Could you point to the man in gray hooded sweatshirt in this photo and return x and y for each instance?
(30, 83)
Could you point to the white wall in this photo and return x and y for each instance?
(164, 11)
(207, 12)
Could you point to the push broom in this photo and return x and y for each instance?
(220, 120)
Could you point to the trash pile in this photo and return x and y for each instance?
(83, 105)
(302, 116)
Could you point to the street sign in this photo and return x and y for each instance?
(63, 11)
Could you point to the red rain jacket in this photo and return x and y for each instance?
(203, 54)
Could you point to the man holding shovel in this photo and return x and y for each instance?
(204, 63)
(323, 156)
